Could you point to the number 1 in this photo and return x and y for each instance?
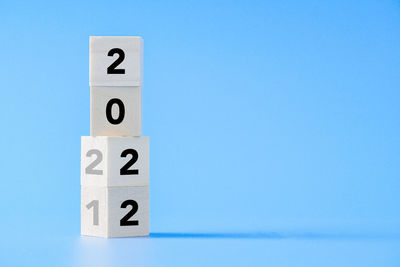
(95, 205)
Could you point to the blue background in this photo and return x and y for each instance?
(274, 127)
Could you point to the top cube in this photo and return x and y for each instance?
(116, 61)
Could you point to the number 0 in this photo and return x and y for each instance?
(121, 107)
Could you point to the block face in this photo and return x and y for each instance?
(94, 167)
(116, 111)
(128, 161)
(94, 212)
(115, 161)
(128, 209)
(116, 61)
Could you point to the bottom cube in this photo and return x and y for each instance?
(115, 211)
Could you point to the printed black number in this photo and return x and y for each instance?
(125, 169)
(121, 108)
(99, 157)
(125, 220)
(112, 68)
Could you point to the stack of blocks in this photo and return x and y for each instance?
(115, 157)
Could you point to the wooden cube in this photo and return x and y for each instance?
(114, 161)
(115, 211)
(116, 61)
(115, 111)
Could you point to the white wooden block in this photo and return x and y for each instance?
(116, 111)
(114, 161)
(116, 61)
(115, 211)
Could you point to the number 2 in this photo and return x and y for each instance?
(125, 169)
(125, 220)
(112, 68)
(99, 157)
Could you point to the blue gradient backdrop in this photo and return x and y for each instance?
(274, 128)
